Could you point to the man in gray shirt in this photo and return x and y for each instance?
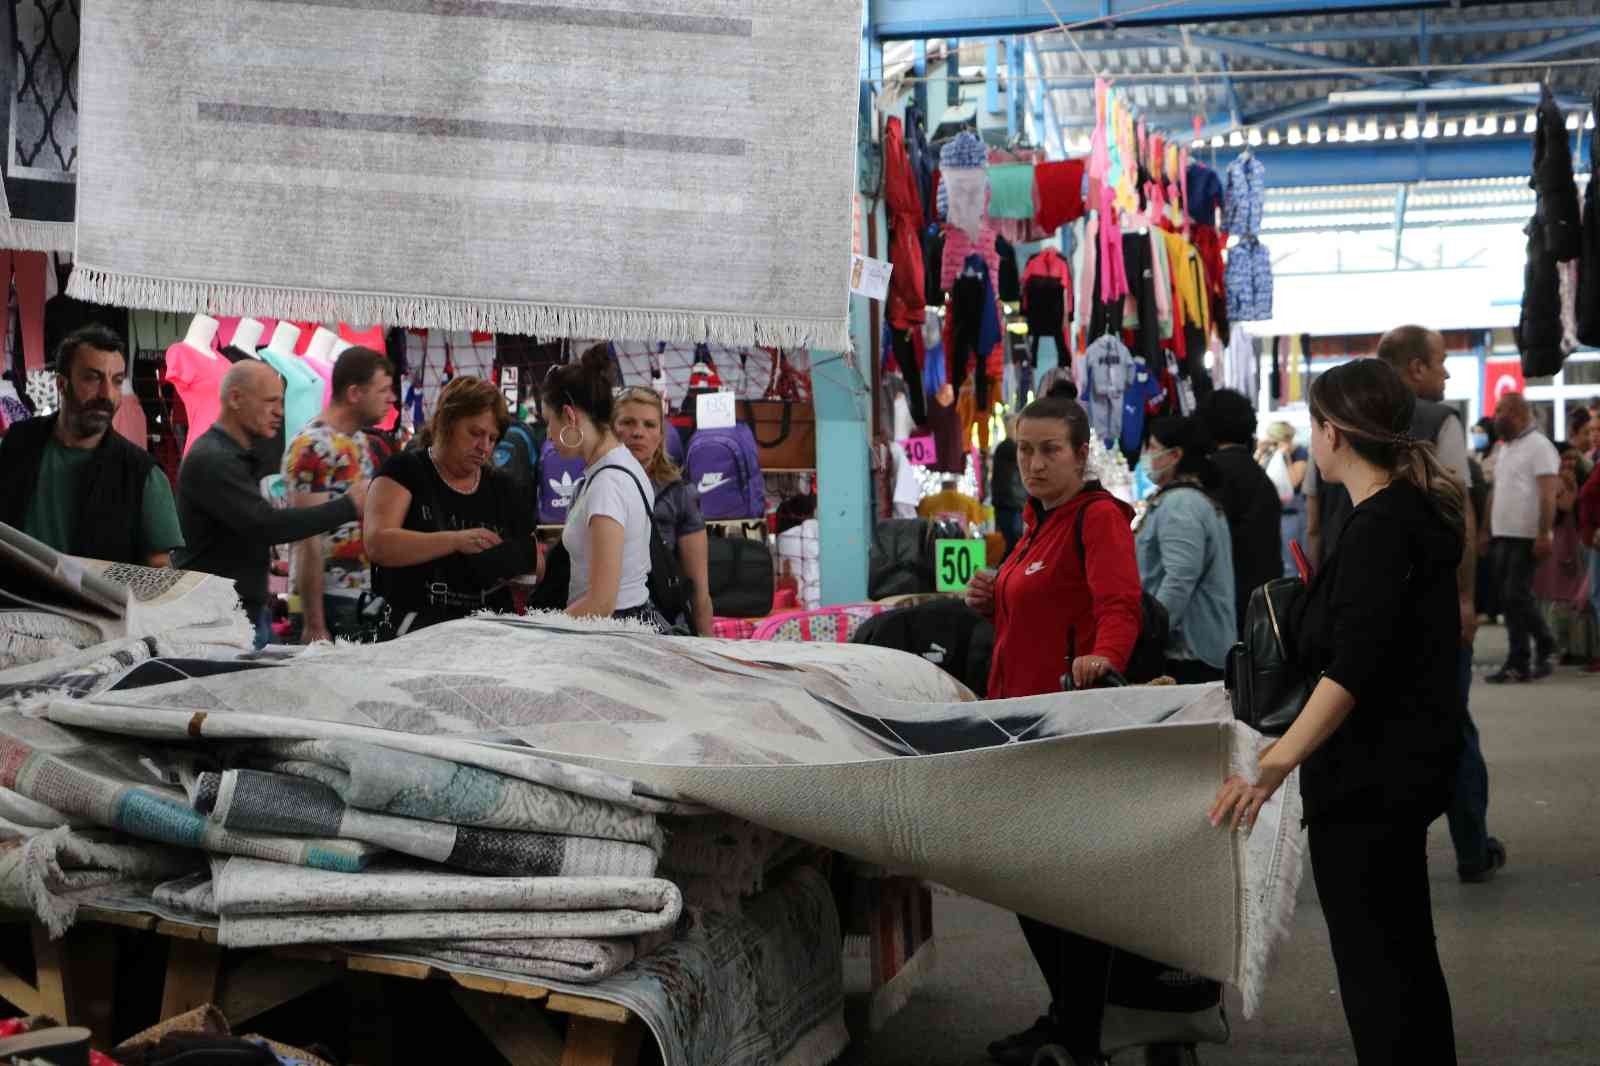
(229, 526)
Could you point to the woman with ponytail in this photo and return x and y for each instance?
(609, 523)
(1379, 739)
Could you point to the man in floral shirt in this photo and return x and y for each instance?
(330, 572)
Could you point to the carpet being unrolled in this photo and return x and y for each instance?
(434, 155)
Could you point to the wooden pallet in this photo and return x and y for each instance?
(76, 985)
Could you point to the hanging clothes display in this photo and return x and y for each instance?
(1589, 248)
(906, 347)
(1108, 367)
(977, 325)
(1008, 283)
(1011, 190)
(923, 164)
(1554, 236)
(905, 303)
(1058, 193)
(1047, 302)
(1249, 280)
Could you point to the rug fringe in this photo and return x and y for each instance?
(443, 312)
(26, 235)
(825, 1042)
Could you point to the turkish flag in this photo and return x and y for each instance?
(1500, 376)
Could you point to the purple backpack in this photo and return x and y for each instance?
(558, 480)
(725, 467)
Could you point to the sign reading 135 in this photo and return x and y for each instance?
(955, 561)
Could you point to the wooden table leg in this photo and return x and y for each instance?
(76, 978)
(592, 1042)
(194, 976)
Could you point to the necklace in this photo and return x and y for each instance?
(477, 476)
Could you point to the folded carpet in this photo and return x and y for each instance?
(256, 801)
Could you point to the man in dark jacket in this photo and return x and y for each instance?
(230, 526)
(75, 483)
(1247, 495)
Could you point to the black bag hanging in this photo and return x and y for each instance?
(1267, 689)
(740, 573)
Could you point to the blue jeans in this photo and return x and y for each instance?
(1468, 812)
(1292, 528)
(263, 619)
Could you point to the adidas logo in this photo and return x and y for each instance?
(712, 481)
(1033, 568)
(563, 490)
(935, 654)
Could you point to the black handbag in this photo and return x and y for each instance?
(1268, 689)
(670, 591)
(741, 576)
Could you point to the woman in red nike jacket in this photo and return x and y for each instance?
(1058, 600)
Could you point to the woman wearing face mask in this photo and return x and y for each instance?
(1186, 552)
(607, 533)
(639, 425)
(1379, 740)
(444, 530)
(1062, 605)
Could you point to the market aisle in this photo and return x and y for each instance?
(1520, 952)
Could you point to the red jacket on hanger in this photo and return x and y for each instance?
(906, 305)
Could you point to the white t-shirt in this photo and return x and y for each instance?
(615, 496)
(1521, 463)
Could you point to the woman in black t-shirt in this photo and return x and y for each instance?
(443, 528)
(1379, 741)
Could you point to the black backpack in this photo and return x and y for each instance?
(740, 573)
(902, 557)
(1149, 658)
(517, 456)
(946, 632)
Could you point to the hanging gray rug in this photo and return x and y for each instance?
(633, 168)
(38, 82)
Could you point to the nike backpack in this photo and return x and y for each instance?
(517, 455)
(558, 480)
(724, 467)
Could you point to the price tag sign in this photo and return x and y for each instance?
(870, 277)
(955, 561)
(920, 450)
(508, 386)
(714, 410)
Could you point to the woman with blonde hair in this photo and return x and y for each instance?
(639, 423)
(1379, 740)
(1285, 463)
(443, 528)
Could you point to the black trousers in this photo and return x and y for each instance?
(1372, 879)
(1514, 568)
(1076, 969)
(905, 355)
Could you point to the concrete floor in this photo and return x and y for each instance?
(1521, 953)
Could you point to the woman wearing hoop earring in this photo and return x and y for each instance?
(443, 529)
(609, 523)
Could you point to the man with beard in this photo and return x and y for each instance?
(230, 526)
(72, 481)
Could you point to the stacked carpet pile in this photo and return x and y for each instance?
(539, 798)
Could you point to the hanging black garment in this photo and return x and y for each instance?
(1010, 280)
(1589, 252)
(1553, 237)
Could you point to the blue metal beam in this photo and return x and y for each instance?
(1570, 43)
(991, 77)
(1244, 49)
(906, 20)
(1051, 137)
(1014, 89)
(919, 68)
(1231, 91)
(1392, 162)
(1397, 32)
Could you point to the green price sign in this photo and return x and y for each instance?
(955, 561)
